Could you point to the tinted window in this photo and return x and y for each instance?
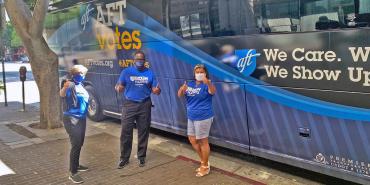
(205, 18)
(212, 18)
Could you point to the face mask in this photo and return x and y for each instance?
(199, 76)
(78, 78)
(139, 64)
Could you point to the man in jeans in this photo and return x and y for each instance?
(136, 83)
(74, 117)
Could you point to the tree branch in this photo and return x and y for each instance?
(38, 18)
(20, 14)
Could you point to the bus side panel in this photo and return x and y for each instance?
(230, 123)
(333, 143)
(167, 66)
(161, 110)
(178, 106)
(107, 94)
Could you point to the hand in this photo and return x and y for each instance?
(119, 88)
(206, 80)
(184, 87)
(66, 84)
(156, 90)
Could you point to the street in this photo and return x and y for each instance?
(14, 86)
(35, 156)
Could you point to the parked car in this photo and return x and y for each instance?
(24, 59)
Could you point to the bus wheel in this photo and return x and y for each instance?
(95, 111)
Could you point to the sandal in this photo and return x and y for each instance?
(209, 166)
(201, 174)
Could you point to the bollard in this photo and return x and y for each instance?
(22, 77)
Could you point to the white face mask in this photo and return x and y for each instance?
(199, 76)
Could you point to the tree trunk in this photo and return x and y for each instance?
(44, 62)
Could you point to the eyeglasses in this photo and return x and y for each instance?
(139, 59)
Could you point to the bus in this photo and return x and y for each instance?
(293, 76)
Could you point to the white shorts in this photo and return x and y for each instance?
(199, 129)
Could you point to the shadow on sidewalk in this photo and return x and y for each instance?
(13, 112)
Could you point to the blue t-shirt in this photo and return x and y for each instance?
(198, 101)
(80, 110)
(138, 84)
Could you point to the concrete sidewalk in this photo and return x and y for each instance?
(42, 158)
(46, 163)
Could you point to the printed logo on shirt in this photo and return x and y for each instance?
(139, 80)
(192, 91)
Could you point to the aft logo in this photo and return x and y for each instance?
(246, 61)
(85, 15)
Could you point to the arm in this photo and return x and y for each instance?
(155, 89)
(182, 90)
(211, 87)
(120, 86)
(63, 91)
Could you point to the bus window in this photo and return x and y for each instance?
(326, 14)
(310, 15)
(363, 13)
(211, 18)
(277, 15)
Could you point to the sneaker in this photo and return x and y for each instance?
(76, 179)
(82, 168)
(141, 162)
(122, 163)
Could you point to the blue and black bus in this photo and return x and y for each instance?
(293, 76)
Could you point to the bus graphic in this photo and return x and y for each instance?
(295, 102)
(246, 61)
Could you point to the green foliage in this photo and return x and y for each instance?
(55, 20)
(15, 39)
(10, 36)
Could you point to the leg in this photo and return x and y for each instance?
(196, 146)
(143, 128)
(76, 139)
(202, 129)
(82, 123)
(192, 138)
(205, 150)
(68, 126)
(127, 123)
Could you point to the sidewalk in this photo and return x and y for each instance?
(42, 158)
(46, 163)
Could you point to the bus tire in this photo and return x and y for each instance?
(95, 110)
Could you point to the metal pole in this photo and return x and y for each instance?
(23, 97)
(4, 81)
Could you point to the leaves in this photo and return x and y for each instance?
(1, 85)
(10, 37)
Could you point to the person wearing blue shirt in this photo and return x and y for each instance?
(198, 95)
(75, 107)
(137, 83)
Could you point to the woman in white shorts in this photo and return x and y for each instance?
(198, 95)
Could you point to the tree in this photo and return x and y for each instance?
(44, 62)
(15, 40)
(2, 26)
